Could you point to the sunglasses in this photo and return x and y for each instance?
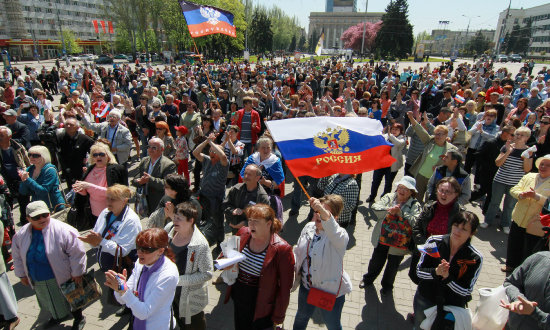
(146, 249)
(99, 154)
(35, 155)
(40, 216)
(545, 122)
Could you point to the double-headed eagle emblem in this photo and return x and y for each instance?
(211, 14)
(332, 140)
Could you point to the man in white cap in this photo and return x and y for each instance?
(47, 253)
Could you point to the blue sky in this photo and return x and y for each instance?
(423, 14)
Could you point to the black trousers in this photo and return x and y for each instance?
(377, 261)
(244, 305)
(412, 269)
(377, 176)
(520, 245)
(470, 160)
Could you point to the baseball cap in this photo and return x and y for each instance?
(10, 112)
(36, 208)
(20, 89)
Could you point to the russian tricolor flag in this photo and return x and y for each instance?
(429, 249)
(322, 146)
(204, 20)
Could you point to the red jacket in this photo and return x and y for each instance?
(9, 95)
(254, 118)
(276, 278)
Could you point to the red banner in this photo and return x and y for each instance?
(110, 25)
(96, 27)
(103, 26)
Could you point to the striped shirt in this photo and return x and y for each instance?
(251, 267)
(512, 170)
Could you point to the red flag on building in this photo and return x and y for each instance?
(110, 25)
(103, 26)
(96, 27)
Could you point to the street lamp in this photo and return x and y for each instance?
(468, 27)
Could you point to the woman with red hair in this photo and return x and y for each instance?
(262, 289)
(163, 133)
(149, 291)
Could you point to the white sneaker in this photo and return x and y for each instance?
(506, 230)
(484, 225)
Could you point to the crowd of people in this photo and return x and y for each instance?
(186, 148)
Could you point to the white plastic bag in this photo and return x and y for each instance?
(232, 243)
(489, 315)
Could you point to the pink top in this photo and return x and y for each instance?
(97, 190)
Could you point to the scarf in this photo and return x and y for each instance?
(146, 272)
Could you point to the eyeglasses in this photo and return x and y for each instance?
(35, 155)
(446, 192)
(145, 249)
(40, 216)
(99, 154)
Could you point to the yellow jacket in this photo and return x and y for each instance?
(527, 208)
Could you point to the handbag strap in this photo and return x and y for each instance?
(309, 275)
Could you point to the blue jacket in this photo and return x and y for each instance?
(44, 188)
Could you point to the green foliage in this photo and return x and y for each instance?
(292, 46)
(395, 38)
(302, 43)
(156, 25)
(517, 41)
(312, 42)
(70, 42)
(260, 36)
(284, 28)
(478, 44)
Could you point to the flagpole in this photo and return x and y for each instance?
(301, 185)
(207, 74)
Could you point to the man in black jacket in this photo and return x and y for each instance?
(241, 195)
(486, 169)
(20, 131)
(72, 147)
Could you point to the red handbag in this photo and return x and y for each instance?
(320, 298)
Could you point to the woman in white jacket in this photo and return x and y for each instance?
(397, 138)
(194, 262)
(149, 291)
(319, 256)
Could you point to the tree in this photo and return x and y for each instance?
(70, 42)
(292, 46)
(302, 43)
(478, 44)
(260, 35)
(312, 42)
(284, 28)
(517, 41)
(353, 36)
(395, 38)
